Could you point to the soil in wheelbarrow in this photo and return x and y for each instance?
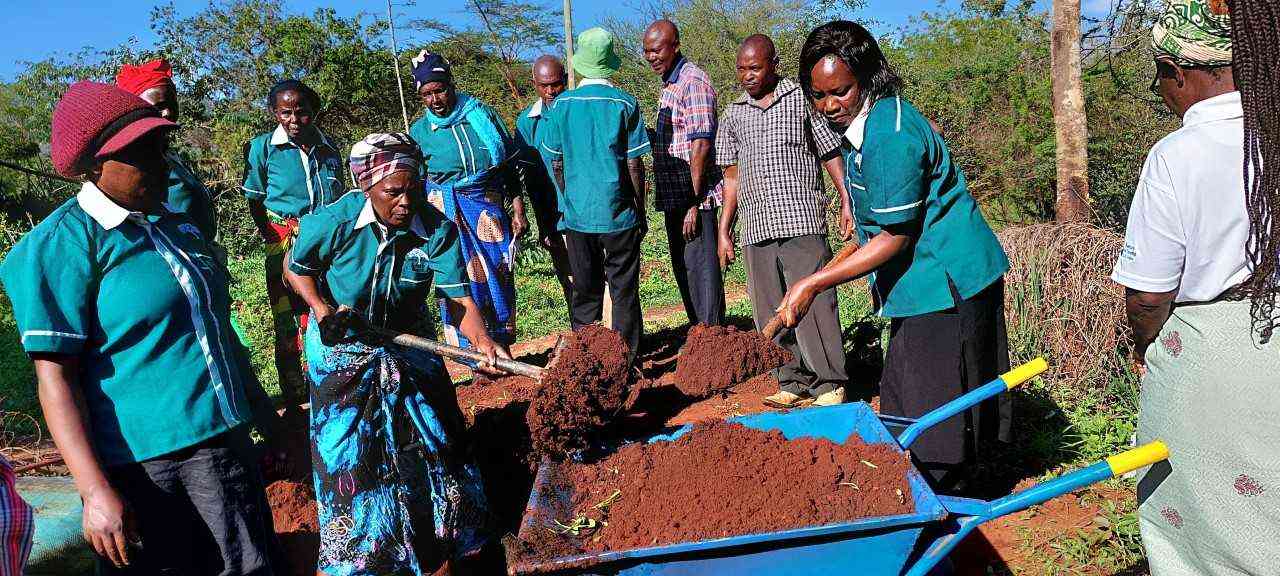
(720, 479)
(581, 393)
(717, 358)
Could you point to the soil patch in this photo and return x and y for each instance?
(745, 398)
(715, 358)
(293, 510)
(581, 393)
(720, 479)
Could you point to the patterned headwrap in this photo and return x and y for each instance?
(378, 155)
(1194, 33)
(144, 76)
(427, 67)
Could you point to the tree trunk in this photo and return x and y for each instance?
(1071, 131)
(568, 48)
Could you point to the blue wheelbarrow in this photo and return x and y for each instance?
(884, 545)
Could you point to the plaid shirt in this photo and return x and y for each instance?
(686, 112)
(778, 151)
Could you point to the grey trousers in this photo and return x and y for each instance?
(696, 266)
(817, 342)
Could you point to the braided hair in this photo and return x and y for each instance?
(1255, 64)
(857, 48)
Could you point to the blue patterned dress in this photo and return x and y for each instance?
(396, 488)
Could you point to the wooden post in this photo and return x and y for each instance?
(1071, 128)
(568, 42)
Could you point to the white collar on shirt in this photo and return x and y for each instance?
(535, 110)
(279, 138)
(594, 82)
(1220, 107)
(101, 207)
(858, 128)
(367, 216)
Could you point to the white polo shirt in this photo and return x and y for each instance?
(1188, 224)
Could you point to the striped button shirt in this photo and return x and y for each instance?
(686, 112)
(17, 525)
(778, 151)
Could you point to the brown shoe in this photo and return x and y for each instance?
(784, 399)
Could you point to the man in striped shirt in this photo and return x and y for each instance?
(687, 181)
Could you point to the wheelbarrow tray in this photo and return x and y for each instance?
(873, 545)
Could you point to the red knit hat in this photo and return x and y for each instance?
(95, 120)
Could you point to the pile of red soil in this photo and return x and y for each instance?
(722, 479)
(581, 393)
(717, 358)
(293, 509)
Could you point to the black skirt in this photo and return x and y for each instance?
(936, 357)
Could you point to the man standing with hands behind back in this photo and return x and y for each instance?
(550, 80)
(770, 144)
(687, 182)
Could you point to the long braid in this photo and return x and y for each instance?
(1255, 31)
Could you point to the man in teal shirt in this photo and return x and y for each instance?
(550, 80)
(596, 138)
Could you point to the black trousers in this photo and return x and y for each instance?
(696, 266)
(936, 357)
(616, 256)
(817, 342)
(201, 511)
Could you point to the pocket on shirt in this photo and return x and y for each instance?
(417, 270)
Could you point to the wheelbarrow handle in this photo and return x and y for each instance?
(967, 514)
(1004, 382)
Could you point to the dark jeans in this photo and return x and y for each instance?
(818, 345)
(200, 511)
(935, 358)
(616, 256)
(696, 266)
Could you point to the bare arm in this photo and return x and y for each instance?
(557, 172)
(1147, 313)
(309, 290)
(258, 212)
(471, 324)
(728, 216)
(700, 159)
(106, 520)
(835, 169)
(879, 250)
(635, 167)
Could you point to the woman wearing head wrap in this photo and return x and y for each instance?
(1209, 384)
(471, 164)
(146, 391)
(153, 82)
(396, 487)
(290, 172)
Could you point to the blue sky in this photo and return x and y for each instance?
(37, 30)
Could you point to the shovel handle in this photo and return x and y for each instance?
(775, 324)
(456, 353)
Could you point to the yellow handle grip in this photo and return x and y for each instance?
(1133, 459)
(1024, 372)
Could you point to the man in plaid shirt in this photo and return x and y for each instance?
(688, 184)
(771, 143)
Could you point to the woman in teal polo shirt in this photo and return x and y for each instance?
(397, 490)
(145, 389)
(471, 169)
(290, 172)
(936, 268)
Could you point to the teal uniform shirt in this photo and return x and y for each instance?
(383, 274)
(595, 128)
(188, 195)
(288, 181)
(455, 152)
(529, 126)
(899, 172)
(143, 304)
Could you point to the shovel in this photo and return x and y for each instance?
(774, 327)
(463, 354)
